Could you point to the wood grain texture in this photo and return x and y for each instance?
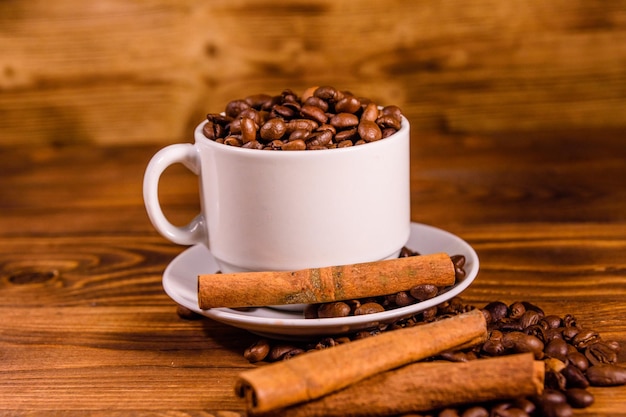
(110, 71)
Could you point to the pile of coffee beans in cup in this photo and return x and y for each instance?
(321, 118)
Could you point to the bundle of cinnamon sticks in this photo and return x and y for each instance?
(383, 375)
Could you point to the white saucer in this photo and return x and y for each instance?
(181, 276)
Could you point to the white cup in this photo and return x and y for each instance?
(289, 210)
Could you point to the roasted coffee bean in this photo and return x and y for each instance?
(600, 352)
(282, 352)
(424, 292)
(579, 398)
(556, 410)
(234, 107)
(556, 348)
(449, 412)
(336, 309)
(319, 139)
(253, 144)
(258, 351)
(316, 102)
(233, 141)
(574, 377)
(348, 104)
(516, 310)
(386, 121)
(475, 412)
(370, 113)
(529, 318)
(248, 130)
(294, 145)
(369, 308)
(551, 322)
(521, 342)
(344, 120)
(578, 360)
(314, 113)
(273, 129)
(585, 338)
(369, 131)
(498, 310)
(604, 375)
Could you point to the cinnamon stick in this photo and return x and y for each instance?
(326, 284)
(313, 375)
(425, 386)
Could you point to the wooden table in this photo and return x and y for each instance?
(87, 328)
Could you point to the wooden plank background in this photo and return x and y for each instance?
(117, 71)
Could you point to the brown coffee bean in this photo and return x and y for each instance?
(248, 130)
(301, 124)
(475, 412)
(600, 352)
(521, 342)
(370, 113)
(389, 122)
(498, 310)
(344, 135)
(316, 102)
(212, 130)
(258, 351)
(585, 338)
(233, 141)
(557, 410)
(574, 377)
(578, 360)
(556, 348)
(259, 101)
(344, 120)
(294, 145)
(314, 113)
(604, 375)
(516, 310)
(369, 131)
(284, 112)
(273, 129)
(336, 309)
(551, 322)
(319, 139)
(234, 107)
(529, 318)
(369, 308)
(348, 104)
(328, 94)
(253, 144)
(579, 398)
(448, 412)
(424, 292)
(280, 351)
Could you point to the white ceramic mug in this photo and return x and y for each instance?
(288, 210)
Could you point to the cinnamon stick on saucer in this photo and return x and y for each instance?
(312, 375)
(322, 285)
(425, 386)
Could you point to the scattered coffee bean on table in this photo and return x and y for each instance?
(322, 118)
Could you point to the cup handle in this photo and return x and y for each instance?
(186, 154)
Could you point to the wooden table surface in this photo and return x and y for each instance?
(86, 328)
